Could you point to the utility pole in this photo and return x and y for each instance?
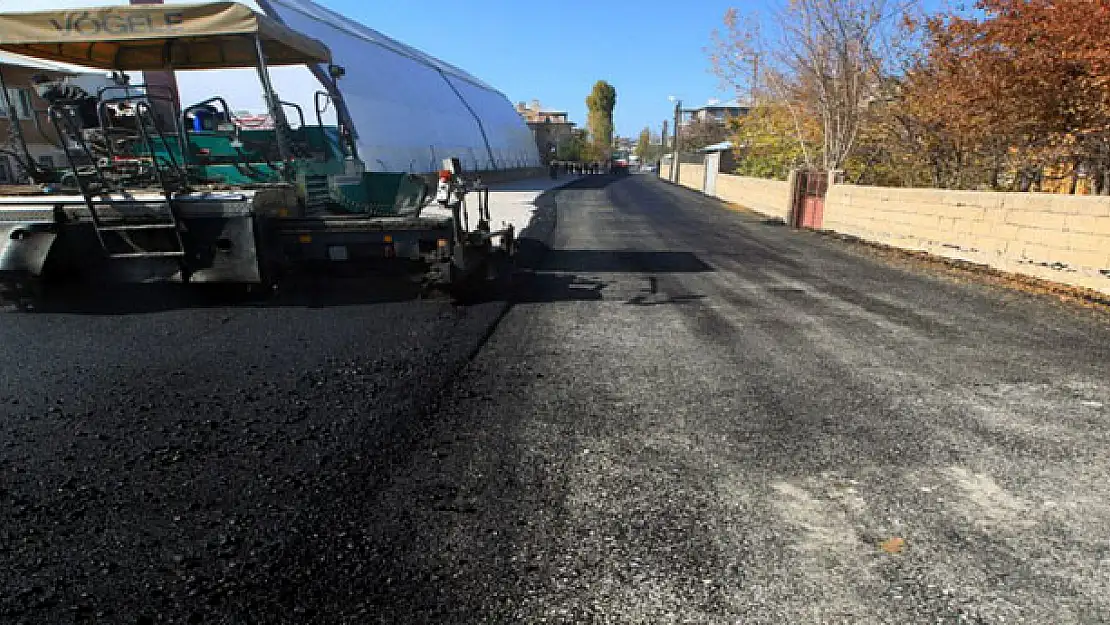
(663, 139)
(677, 128)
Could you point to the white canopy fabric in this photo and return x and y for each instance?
(410, 109)
(157, 36)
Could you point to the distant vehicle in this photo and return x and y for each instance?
(620, 159)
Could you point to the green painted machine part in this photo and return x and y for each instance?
(327, 179)
(380, 194)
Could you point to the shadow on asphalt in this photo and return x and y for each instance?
(557, 275)
(314, 290)
(622, 261)
(564, 275)
(547, 288)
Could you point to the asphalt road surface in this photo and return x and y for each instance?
(686, 415)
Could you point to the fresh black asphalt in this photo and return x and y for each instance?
(685, 414)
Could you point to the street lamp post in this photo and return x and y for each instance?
(677, 127)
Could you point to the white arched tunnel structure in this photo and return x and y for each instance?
(410, 110)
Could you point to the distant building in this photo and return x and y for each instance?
(706, 124)
(549, 127)
(727, 150)
(716, 111)
(37, 130)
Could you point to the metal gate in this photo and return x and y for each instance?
(809, 199)
(712, 166)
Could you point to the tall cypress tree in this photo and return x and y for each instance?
(601, 102)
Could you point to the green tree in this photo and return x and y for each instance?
(643, 145)
(573, 147)
(765, 143)
(600, 103)
(650, 146)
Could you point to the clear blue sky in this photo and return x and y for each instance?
(553, 52)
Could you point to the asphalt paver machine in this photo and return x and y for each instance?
(154, 192)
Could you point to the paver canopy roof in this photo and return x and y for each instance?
(151, 37)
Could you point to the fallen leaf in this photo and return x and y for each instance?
(893, 545)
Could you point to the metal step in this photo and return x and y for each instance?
(317, 193)
(126, 228)
(148, 255)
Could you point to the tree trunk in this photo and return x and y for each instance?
(959, 173)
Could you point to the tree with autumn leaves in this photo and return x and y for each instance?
(767, 143)
(821, 71)
(649, 146)
(1020, 97)
(1017, 98)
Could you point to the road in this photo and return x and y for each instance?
(686, 415)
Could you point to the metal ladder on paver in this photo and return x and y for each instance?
(93, 183)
